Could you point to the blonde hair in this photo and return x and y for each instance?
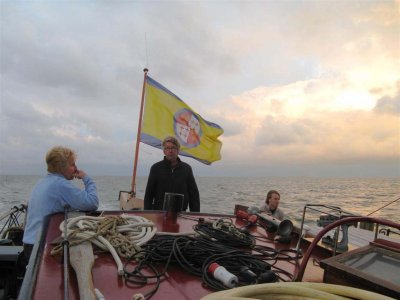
(57, 159)
(173, 140)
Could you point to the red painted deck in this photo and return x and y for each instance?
(178, 284)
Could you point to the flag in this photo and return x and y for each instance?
(167, 115)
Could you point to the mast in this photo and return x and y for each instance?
(133, 186)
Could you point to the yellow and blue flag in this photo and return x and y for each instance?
(167, 115)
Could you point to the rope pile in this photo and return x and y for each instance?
(121, 235)
(295, 290)
(225, 232)
(218, 241)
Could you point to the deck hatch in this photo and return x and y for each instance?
(370, 267)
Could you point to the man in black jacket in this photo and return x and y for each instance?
(171, 175)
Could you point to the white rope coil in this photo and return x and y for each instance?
(121, 235)
(295, 290)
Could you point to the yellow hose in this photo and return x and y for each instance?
(295, 290)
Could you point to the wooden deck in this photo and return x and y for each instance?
(178, 284)
(357, 237)
(47, 270)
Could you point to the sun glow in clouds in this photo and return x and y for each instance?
(354, 100)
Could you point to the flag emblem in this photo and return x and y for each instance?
(187, 128)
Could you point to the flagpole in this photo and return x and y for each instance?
(133, 186)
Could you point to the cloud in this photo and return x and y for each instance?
(303, 123)
(280, 132)
(292, 83)
(389, 104)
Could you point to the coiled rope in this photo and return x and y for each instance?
(225, 232)
(295, 290)
(218, 242)
(121, 235)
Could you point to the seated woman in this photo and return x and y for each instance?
(271, 205)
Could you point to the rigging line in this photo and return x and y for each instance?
(383, 206)
(147, 54)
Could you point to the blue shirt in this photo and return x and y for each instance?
(50, 195)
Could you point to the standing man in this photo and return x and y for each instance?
(56, 191)
(271, 205)
(171, 175)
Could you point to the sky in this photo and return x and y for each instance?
(301, 88)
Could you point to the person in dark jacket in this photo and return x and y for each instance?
(171, 175)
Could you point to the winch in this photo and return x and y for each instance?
(325, 220)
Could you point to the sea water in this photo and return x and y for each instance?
(220, 194)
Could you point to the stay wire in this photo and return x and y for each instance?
(387, 204)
